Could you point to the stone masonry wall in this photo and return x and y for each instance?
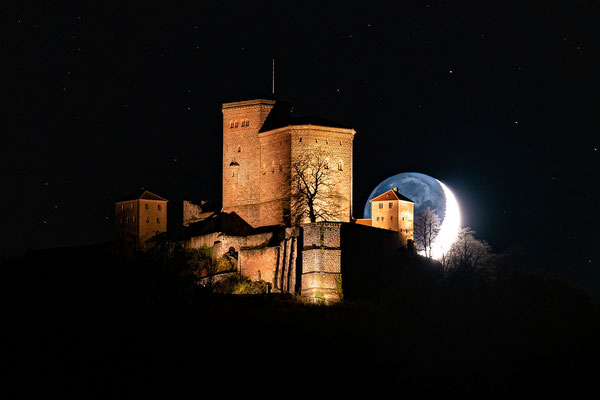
(321, 261)
(336, 144)
(275, 177)
(344, 259)
(241, 157)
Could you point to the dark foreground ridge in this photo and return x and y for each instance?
(96, 326)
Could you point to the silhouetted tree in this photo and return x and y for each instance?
(426, 229)
(313, 193)
(467, 254)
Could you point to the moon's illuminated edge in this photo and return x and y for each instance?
(450, 226)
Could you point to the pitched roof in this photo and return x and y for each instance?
(228, 223)
(142, 194)
(391, 194)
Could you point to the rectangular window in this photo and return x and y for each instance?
(146, 206)
(391, 204)
(159, 206)
(158, 220)
(147, 220)
(380, 205)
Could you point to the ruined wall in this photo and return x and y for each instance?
(336, 145)
(275, 263)
(241, 157)
(194, 213)
(259, 263)
(227, 241)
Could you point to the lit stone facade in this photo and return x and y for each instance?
(257, 162)
(391, 210)
(138, 218)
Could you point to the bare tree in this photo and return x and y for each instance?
(468, 253)
(426, 228)
(313, 191)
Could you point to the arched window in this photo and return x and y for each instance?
(340, 165)
(231, 124)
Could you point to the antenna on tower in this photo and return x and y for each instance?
(273, 87)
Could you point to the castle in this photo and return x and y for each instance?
(286, 212)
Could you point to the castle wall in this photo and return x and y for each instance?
(394, 215)
(259, 263)
(343, 259)
(336, 145)
(321, 261)
(275, 177)
(241, 157)
(227, 241)
(137, 221)
(152, 218)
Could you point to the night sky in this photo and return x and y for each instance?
(499, 101)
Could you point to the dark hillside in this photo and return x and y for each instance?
(98, 326)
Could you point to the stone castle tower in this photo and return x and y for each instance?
(261, 143)
(391, 210)
(138, 217)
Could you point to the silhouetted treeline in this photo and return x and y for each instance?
(100, 325)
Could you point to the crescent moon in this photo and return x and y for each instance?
(450, 226)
